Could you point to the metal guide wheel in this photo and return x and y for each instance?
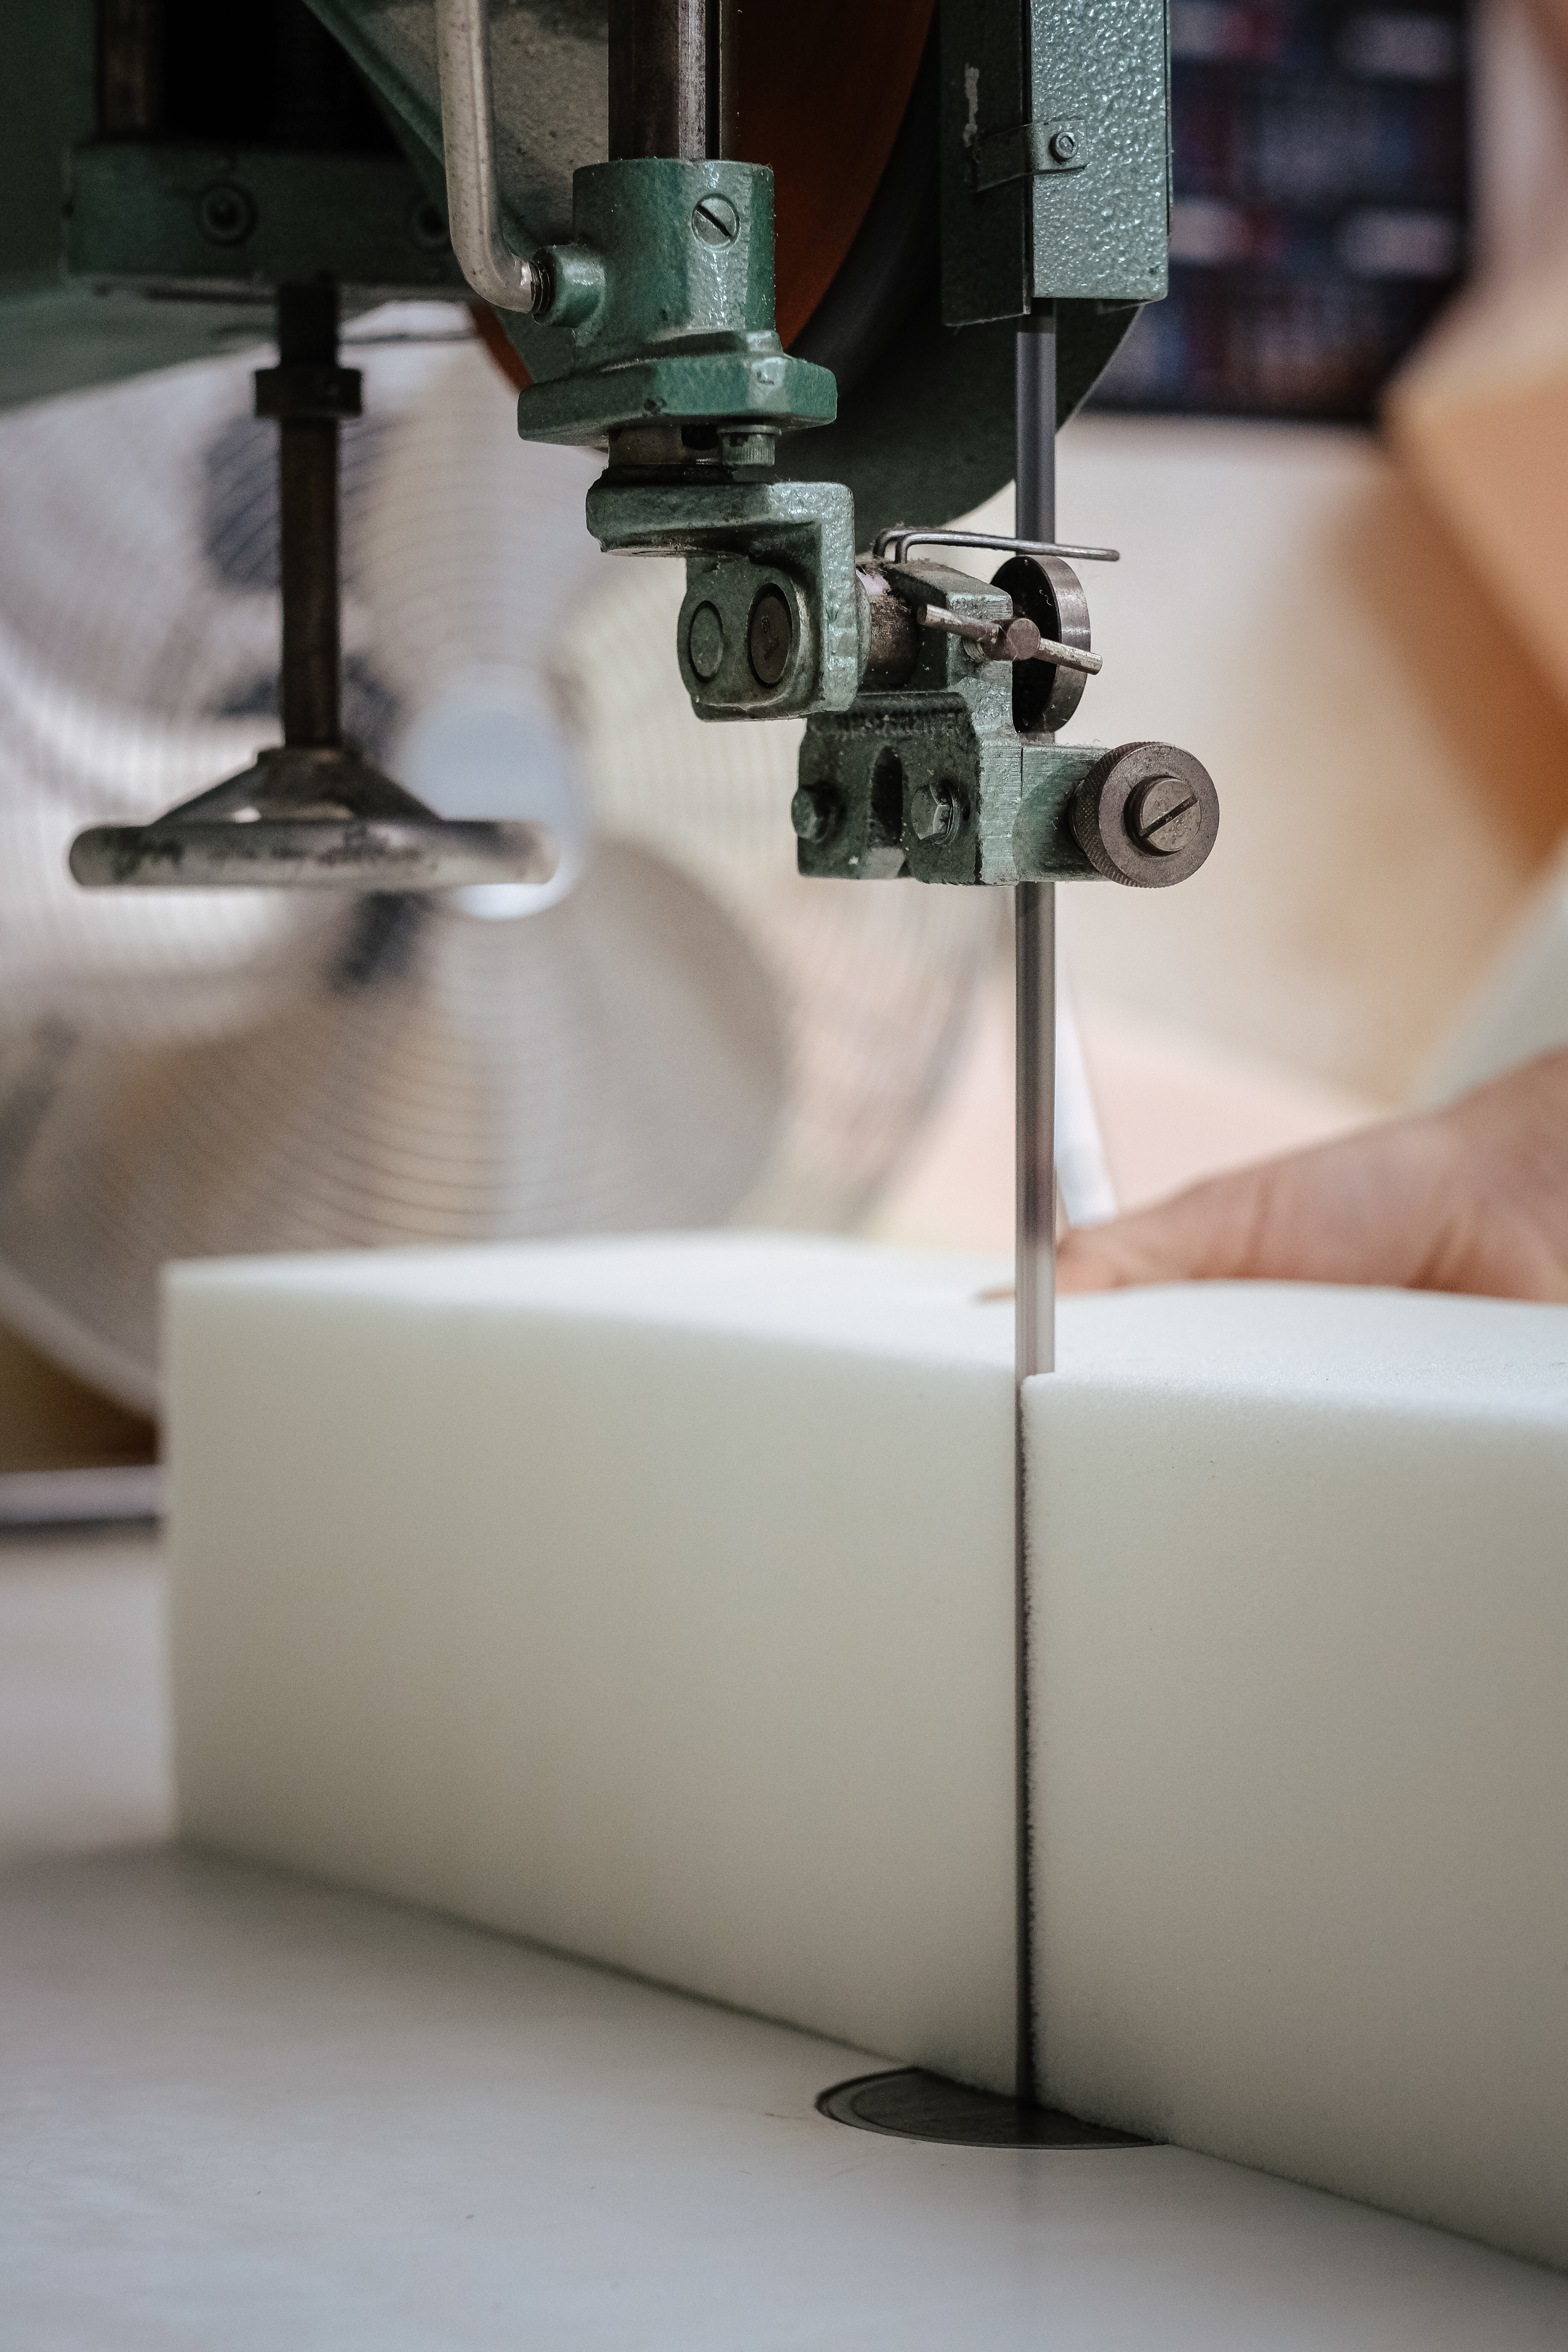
(1047, 591)
(1146, 813)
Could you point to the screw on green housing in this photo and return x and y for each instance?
(751, 547)
(931, 697)
(665, 291)
(929, 777)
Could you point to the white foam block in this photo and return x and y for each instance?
(652, 1598)
(1300, 1607)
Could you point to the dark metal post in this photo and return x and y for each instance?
(1035, 1235)
(308, 515)
(670, 63)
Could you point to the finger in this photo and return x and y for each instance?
(1369, 1209)
(1473, 1198)
(1206, 1233)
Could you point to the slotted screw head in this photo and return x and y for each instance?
(715, 220)
(1146, 813)
(1064, 146)
(1164, 815)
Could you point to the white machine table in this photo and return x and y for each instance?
(247, 2111)
(245, 2108)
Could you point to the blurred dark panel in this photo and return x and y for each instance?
(1321, 206)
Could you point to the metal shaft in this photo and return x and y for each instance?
(307, 512)
(1035, 1231)
(670, 85)
(505, 279)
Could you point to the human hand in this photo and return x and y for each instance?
(1473, 1197)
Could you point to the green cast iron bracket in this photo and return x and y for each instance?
(666, 294)
(750, 549)
(664, 297)
(931, 779)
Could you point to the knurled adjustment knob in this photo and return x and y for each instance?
(1146, 814)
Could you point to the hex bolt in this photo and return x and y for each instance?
(705, 641)
(770, 635)
(816, 812)
(936, 813)
(715, 220)
(225, 215)
(1064, 146)
(1163, 815)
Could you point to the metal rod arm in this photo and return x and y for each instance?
(501, 277)
(309, 676)
(1017, 640)
(894, 545)
(308, 395)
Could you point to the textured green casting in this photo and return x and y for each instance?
(949, 730)
(1020, 78)
(664, 297)
(738, 539)
(927, 432)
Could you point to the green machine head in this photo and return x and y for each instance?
(954, 213)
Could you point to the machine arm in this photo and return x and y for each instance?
(933, 700)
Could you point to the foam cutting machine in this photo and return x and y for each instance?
(1171, 1746)
(972, 211)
